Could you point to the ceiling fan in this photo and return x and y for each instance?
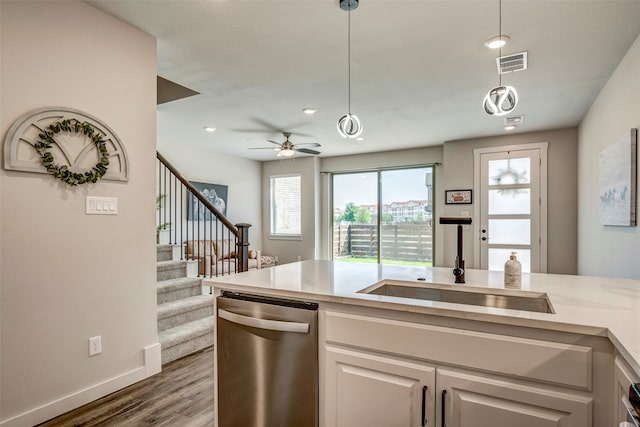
(288, 148)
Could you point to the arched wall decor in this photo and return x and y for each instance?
(20, 154)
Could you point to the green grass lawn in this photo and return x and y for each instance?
(385, 261)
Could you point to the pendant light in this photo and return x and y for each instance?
(501, 99)
(349, 125)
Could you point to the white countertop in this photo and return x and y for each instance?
(586, 305)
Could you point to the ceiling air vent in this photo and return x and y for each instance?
(512, 63)
(513, 120)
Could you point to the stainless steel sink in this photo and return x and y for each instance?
(499, 298)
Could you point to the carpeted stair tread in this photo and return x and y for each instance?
(168, 265)
(185, 332)
(173, 308)
(185, 315)
(164, 253)
(178, 283)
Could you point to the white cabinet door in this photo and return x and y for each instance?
(470, 401)
(622, 379)
(365, 390)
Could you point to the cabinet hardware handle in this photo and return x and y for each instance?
(444, 395)
(424, 403)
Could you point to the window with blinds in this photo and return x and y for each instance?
(285, 207)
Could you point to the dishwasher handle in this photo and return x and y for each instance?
(272, 325)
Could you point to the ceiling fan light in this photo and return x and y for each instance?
(286, 153)
(500, 100)
(497, 42)
(349, 126)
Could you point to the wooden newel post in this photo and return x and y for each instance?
(243, 246)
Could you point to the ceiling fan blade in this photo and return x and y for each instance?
(306, 150)
(247, 130)
(266, 124)
(294, 134)
(308, 144)
(265, 148)
(273, 142)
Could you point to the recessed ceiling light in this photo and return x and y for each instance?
(309, 110)
(497, 41)
(360, 138)
(509, 127)
(209, 129)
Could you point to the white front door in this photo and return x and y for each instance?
(511, 182)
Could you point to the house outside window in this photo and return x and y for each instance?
(286, 207)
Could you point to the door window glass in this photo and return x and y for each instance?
(509, 171)
(498, 256)
(510, 231)
(510, 201)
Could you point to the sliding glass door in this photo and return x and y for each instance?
(355, 217)
(384, 216)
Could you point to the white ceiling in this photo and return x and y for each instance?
(419, 68)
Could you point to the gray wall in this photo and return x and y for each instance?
(606, 250)
(562, 193)
(66, 276)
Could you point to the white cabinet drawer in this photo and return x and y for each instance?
(545, 361)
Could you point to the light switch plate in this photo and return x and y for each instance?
(101, 205)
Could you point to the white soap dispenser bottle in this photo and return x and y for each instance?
(513, 272)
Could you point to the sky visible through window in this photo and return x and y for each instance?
(361, 188)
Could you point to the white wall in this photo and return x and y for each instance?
(561, 194)
(606, 250)
(289, 250)
(66, 276)
(242, 176)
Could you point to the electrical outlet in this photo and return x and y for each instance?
(95, 345)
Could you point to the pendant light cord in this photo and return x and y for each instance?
(500, 38)
(349, 58)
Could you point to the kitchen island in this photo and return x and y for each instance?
(461, 361)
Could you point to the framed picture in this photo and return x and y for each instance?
(617, 181)
(453, 197)
(216, 194)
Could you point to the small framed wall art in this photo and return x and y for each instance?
(455, 197)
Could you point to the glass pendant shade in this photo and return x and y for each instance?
(349, 126)
(500, 100)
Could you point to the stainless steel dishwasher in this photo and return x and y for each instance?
(267, 361)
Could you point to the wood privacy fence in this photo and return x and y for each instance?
(407, 242)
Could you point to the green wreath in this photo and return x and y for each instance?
(62, 172)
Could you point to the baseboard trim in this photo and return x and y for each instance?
(153, 359)
(152, 356)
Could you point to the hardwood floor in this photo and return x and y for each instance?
(181, 395)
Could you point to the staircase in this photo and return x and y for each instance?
(185, 315)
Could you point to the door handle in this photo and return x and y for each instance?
(443, 408)
(272, 325)
(424, 406)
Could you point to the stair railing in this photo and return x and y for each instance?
(194, 221)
